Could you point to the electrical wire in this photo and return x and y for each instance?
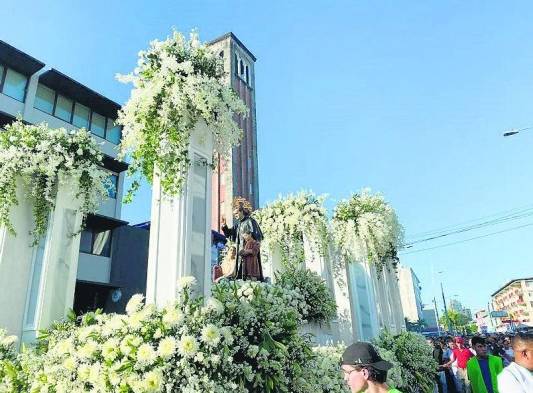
(467, 240)
(496, 221)
(447, 228)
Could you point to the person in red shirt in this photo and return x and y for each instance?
(461, 354)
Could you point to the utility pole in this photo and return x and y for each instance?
(436, 314)
(446, 309)
(493, 325)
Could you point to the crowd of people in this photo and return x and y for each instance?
(494, 364)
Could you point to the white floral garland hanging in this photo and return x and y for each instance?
(285, 221)
(43, 158)
(176, 84)
(365, 227)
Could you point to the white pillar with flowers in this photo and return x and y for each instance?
(180, 229)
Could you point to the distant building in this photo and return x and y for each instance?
(515, 302)
(483, 321)
(455, 305)
(239, 175)
(410, 294)
(429, 316)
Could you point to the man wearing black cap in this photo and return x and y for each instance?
(364, 370)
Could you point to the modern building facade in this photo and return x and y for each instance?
(515, 299)
(410, 294)
(31, 91)
(239, 175)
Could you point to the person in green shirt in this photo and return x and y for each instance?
(364, 370)
(483, 369)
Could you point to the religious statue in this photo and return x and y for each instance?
(247, 235)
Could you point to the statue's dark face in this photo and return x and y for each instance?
(238, 213)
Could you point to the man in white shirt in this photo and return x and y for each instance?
(518, 376)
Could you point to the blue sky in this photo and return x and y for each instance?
(410, 100)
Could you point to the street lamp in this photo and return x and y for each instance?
(515, 131)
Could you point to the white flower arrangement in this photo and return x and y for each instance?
(285, 221)
(366, 228)
(43, 158)
(177, 83)
(244, 339)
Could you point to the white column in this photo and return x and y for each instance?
(56, 282)
(396, 303)
(343, 325)
(321, 265)
(37, 283)
(271, 261)
(15, 265)
(180, 230)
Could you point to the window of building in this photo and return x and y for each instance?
(98, 124)
(2, 69)
(112, 186)
(247, 79)
(86, 241)
(63, 109)
(96, 241)
(81, 116)
(15, 85)
(44, 99)
(221, 54)
(113, 132)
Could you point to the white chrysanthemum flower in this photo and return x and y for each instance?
(69, 364)
(152, 381)
(116, 322)
(110, 349)
(215, 305)
(83, 372)
(134, 304)
(64, 346)
(172, 317)
(135, 320)
(146, 355)
(188, 346)
(167, 347)
(211, 335)
(95, 373)
(8, 341)
(88, 349)
(226, 333)
(114, 378)
(186, 282)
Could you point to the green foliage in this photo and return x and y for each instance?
(458, 320)
(414, 367)
(321, 306)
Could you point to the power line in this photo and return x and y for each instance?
(503, 213)
(495, 221)
(467, 240)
